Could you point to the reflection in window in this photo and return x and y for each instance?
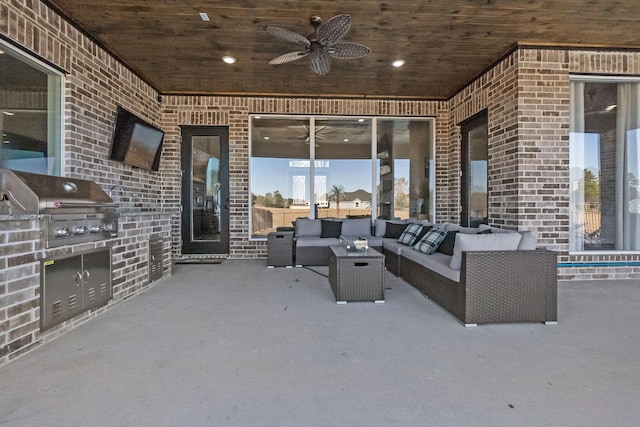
(205, 166)
(604, 165)
(280, 172)
(323, 167)
(30, 111)
(343, 185)
(405, 170)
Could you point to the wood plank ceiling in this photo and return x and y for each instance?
(445, 43)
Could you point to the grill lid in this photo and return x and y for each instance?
(30, 193)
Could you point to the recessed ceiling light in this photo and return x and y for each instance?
(204, 17)
(398, 63)
(229, 59)
(266, 138)
(346, 140)
(8, 113)
(361, 120)
(610, 107)
(1, 52)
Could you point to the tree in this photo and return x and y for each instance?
(591, 187)
(401, 190)
(278, 200)
(337, 193)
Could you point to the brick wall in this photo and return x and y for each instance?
(94, 84)
(234, 112)
(19, 285)
(527, 98)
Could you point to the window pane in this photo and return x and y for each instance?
(343, 168)
(29, 114)
(279, 173)
(604, 170)
(324, 167)
(404, 168)
(478, 176)
(205, 164)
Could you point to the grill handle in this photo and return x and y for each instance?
(58, 204)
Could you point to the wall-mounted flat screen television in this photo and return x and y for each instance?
(136, 142)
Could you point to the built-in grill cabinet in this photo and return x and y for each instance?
(73, 284)
(72, 211)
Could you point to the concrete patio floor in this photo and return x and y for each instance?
(237, 344)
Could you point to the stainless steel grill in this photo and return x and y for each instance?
(74, 210)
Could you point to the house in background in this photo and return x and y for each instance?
(514, 145)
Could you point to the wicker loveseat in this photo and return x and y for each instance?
(314, 236)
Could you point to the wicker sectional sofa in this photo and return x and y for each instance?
(498, 276)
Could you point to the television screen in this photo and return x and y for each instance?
(136, 142)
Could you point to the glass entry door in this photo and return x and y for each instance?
(205, 190)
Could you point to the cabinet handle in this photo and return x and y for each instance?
(87, 275)
(78, 278)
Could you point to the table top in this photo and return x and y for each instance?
(341, 251)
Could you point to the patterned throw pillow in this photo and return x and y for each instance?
(430, 242)
(410, 234)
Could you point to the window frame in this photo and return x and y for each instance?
(595, 78)
(374, 160)
(55, 100)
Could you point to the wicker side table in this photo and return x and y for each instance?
(280, 249)
(356, 276)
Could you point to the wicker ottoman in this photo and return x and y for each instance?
(356, 276)
(280, 249)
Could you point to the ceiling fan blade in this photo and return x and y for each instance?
(320, 62)
(288, 57)
(288, 36)
(346, 50)
(334, 29)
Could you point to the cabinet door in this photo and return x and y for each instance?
(96, 290)
(61, 290)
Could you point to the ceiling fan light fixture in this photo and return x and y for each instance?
(228, 59)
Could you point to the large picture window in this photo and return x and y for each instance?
(30, 113)
(340, 167)
(604, 165)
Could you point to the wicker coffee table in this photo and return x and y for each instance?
(356, 276)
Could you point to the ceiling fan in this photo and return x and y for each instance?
(323, 45)
(320, 132)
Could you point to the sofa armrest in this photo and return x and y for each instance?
(509, 286)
